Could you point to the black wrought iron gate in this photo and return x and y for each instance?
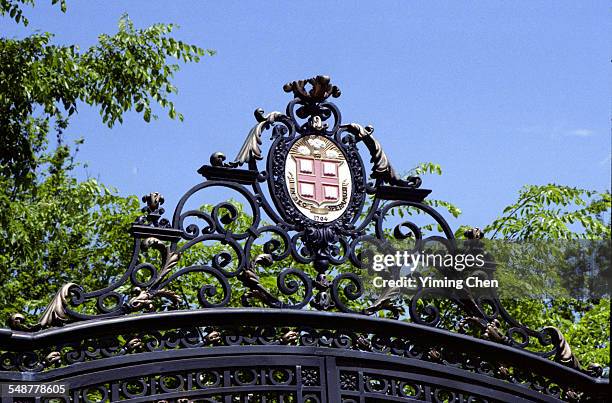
(306, 329)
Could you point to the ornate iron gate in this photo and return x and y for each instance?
(311, 335)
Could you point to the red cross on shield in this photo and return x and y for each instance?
(317, 179)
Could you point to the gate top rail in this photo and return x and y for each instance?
(141, 338)
(226, 319)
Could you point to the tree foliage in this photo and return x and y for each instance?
(42, 84)
(562, 232)
(60, 230)
(541, 216)
(13, 8)
(554, 212)
(54, 228)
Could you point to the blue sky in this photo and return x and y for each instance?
(499, 94)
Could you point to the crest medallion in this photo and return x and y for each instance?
(318, 178)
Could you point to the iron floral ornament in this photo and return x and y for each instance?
(311, 201)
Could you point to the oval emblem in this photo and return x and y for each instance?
(318, 178)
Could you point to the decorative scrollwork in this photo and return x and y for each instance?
(321, 89)
(153, 210)
(236, 248)
(381, 167)
(251, 149)
(144, 299)
(55, 314)
(563, 351)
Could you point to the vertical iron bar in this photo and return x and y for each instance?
(331, 379)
